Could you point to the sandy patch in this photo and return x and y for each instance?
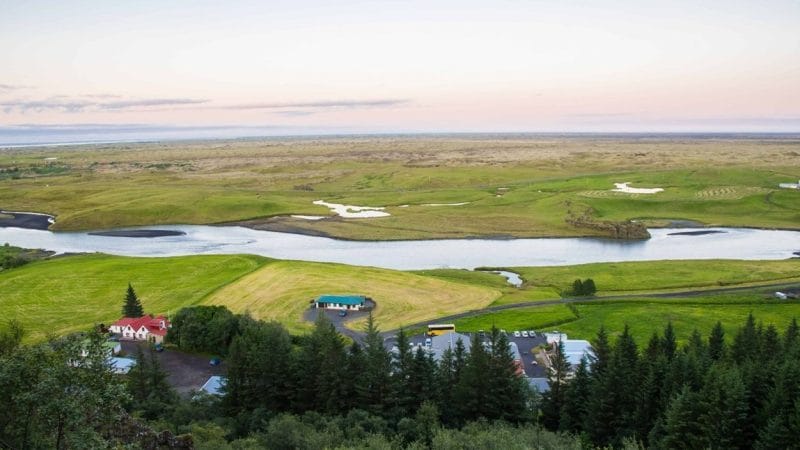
(354, 212)
(623, 187)
(298, 216)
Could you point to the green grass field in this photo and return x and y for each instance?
(633, 277)
(517, 187)
(72, 293)
(643, 315)
(282, 290)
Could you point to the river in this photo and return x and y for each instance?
(728, 243)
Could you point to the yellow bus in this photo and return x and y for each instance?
(440, 328)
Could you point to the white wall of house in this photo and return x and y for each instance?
(339, 306)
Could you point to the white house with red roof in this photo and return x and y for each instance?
(145, 328)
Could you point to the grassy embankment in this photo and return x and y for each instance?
(643, 315)
(627, 278)
(71, 293)
(516, 187)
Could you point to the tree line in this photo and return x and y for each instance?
(711, 393)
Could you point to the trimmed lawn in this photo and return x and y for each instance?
(518, 319)
(72, 293)
(282, 291)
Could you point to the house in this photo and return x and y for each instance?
(214, 385)
(145, 328)
(444, 341)
(576, 350)
(343, 302)
(555, 336)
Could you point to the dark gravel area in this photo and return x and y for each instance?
(186, 372)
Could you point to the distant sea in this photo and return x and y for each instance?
(22, 136)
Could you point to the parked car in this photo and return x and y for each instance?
(532, 333)
(342, 313)
(503, 332)
(481, 333)
(524, 333)
(516, 334)
(428, 342)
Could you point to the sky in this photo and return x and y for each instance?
(316, 66)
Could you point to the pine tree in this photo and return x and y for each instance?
(508, 392)
(669, 345)
(553, 400)
(132, 306)
(681, 428)
(376, 383)
(471, 396)
(403, 368)
(723, 405)
(576, 402)
(716, 342)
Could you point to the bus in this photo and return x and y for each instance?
(440, 328)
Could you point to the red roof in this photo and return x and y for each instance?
(153, 324)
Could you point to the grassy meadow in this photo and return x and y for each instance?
(521, 186)
(71, 293)
(643, 315)
(282, 290)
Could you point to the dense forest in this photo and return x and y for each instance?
(322, 391)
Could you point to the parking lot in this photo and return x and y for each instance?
(524, 345)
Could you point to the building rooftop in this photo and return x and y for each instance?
(448, 340)
(214, 385)
(342, 299)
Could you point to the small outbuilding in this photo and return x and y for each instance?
(341, 302)
(121, 365)
(214, 385)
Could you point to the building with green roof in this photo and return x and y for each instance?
(343, 302)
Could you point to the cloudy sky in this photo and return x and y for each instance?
(304, 66)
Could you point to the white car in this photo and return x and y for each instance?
(532, 333)
(428, 342)
(516, 334)
(524, 333)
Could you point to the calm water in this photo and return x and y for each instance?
(424, 254)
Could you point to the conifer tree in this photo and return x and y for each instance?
(132, 306)
(553, 400)
(716, 342)
(723, 409)
(471, 396)
(376, 382)
(576, 402)
(681, 428)
(669, 344)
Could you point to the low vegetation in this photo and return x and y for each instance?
(11, 257)
(526, 186)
